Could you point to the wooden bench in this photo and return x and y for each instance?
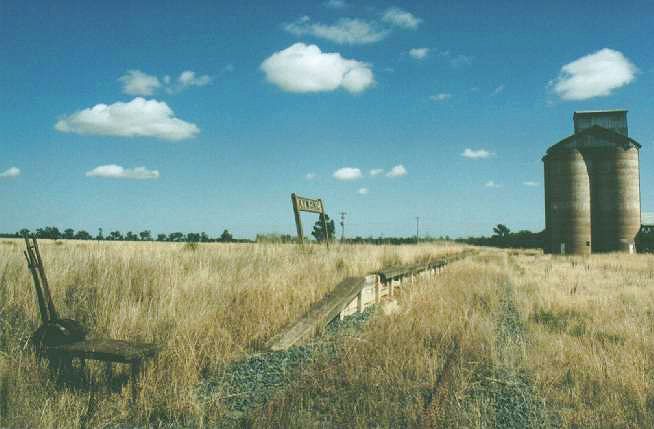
(62, 340)
(110, 351)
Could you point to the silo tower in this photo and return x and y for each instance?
(592, 187)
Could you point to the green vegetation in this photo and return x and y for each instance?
(503, 238)
(53, 233)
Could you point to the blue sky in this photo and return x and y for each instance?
(199, 117)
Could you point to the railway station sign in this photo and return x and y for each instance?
(302, 204)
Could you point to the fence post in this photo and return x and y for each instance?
(377, 289)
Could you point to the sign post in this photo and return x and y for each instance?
(301, 204)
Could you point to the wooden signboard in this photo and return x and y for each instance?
(301, 204)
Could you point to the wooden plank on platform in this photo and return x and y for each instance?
(319, 315)
(108, 350)
(353, 295)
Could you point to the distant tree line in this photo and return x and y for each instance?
(288, 238)
(318, 234)
(53, 233)
(503, 237)
(645, 239)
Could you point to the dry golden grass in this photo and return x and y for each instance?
(503, 339)
(208, 306)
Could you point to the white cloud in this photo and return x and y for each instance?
(137, 118)
(345, 31)
(135, 82)
(491, 184)
(347, 173)
(335, 4)
(304, 68)
(310, 176)
(440, 97)
(397, 171)
(362, 191)
(10, 172)
(401, 18)
(189, 78)
(113, 171)
(476, 153)
(497, 90)
(530, 183)
(594, 75)
(375, 172)
(418, 53)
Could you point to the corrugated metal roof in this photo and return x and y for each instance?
(594, 130)
(587, 112)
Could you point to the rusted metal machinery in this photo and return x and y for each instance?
(592, 187)
(61, 340)
(54, 331)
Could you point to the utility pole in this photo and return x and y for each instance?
(417, 229)
(342, 226)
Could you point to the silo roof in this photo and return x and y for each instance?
(595, 130)
(590, 112)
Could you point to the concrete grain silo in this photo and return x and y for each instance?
(592, 187)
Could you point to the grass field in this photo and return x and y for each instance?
(501, 339)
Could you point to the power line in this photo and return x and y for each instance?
(342, 226)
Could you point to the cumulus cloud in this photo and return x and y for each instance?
(113, 171)
(443, 96)
(530, 183)
(492, 184)
(189, 78)
(347, 173)
(397, 171)
(305, 68)
(476, 153)
(310, 176)
(137, 118)
(594, 75)
(401, 18)
(376, 172)
(10, 172)
(362, 191)
(418, 53)
(135, 82)
(345, 31)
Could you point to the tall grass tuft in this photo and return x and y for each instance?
(208, 306)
